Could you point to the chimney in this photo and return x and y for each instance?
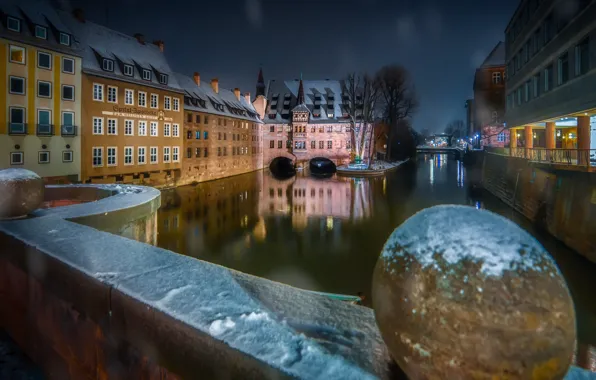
(247, 97)
(197, 78)
(237, 93)
(159, 44)
(78, 14)
(215, 85)
(140, 38)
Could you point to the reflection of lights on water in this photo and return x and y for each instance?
(329, 223)
(384, 185)
(432, 171)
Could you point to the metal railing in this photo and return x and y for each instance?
(68, 130)
(45, 129)
(572, 157)
(17, 128)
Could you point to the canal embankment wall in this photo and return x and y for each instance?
(560, 200)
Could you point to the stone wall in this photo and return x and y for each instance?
(560, 200)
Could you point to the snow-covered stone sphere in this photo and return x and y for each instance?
(461, 293)
(21, 191)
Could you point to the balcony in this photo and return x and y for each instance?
(17, 128)
(45, 129)
(68, 130)
(568, 157)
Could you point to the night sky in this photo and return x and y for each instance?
(439, 42)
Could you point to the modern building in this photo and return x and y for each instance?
(222, 131)
(40, 92)
(489, 100)
(132, 107)
(551, 100)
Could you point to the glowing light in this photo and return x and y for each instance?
(329, 223)
(519, 134)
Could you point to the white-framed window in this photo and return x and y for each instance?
(153, 155)
(176, 154)
(153, 130)
(141, 155)
(68, 123)
(112, 126)
(112, 94)
(41, 32)
(496, 77)
(146, 74)
(166, 130)
(167, 103)
(142, 128)
(65, 39)
(128, 153)
(176, 104)
(43, 157)
(175, 130)
(17, 158)
(44, 89)
(98, 92)
(112, 156)
(17, 120)
(98, 125)
(501, 137)
(67, 156)
(329, 144)
(142, 99)
(154, 101)
(97, 156)
(166, 154)
(68, 65)
(44, 60)
(107, 65)
(128, 70)
(129, 127)
(68, 92)
(13, 24)
(17, 54)
(129, 96)
(17, 85)
(163, 79)
(44, 122)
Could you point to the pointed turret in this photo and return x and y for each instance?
(261, 83)
(301, 92)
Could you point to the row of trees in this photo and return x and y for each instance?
(387, 98)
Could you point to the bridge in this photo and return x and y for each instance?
(456, 151)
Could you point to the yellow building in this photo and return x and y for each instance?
(40, 97)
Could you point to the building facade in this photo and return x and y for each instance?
(132, 107)
(40, 93)
(222, 131)
(550, 76)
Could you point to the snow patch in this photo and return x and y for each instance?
(256, 317)
(220, 326)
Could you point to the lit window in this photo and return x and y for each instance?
(142, 99)
(67, 156)
(44, 60)
(153, 155)
(41, 32)
(68, 65)
(98, 126)
(142, 128)
(128, 152)
(97, 156)
(44, 89)
(17, 158)
(146, 74)
(17, 85)
(501, 137)
(166, 103)
(65, 39)
(129, 127)
(17, 54)
(13, 24)
(129, 97)
(128, 70)
(154, 101)
(98, 92)
(112, 127)
(68, 92)
(153, 130)
(112, 94)
(166, 154)
(112, 156)
(141, 155)
(43, 157)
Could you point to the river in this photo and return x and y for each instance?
(326, 234)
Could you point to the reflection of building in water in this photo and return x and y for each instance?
(196, 217)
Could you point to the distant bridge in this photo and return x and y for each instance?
(456, 151)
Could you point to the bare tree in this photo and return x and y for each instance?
(457, 129)
(398, 100)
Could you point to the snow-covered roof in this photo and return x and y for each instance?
(496, 56)
(325, 92)
(99, 42)
(208, 99)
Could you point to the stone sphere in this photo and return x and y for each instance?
(21, 192)
(461, 293)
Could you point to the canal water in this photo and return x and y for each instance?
(326, 234)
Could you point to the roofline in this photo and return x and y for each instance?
(491, 53)
(123, 79)
(187, 108)
(514, 15)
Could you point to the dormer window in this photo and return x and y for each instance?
(163, 79)
(64, 39)
(146, 74)
(107, 65)
(41, 32)
(13, 24)
(128, 70)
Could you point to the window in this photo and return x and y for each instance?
(17, 54)
(537, 40)
(17, 85)
(175, 154)
(501, 137)
(519, 96)
(13, 24)
(146, 74)
(17, 158)
(329, 129)
(225, 150)
(154, 101)
(206, 120)
(141, 155)
(67, 156)
(166, 103)
(153, 155)
(43, 157)
(527, 91)
(128, 70)
(68, 65)
(112, 156)
(65, 39)
(44, 124)
(225, 136)
(68, 127)
(188, 152)
(107, 65)
(153, 130)
(348, 144)
(279, 144)
(142, 99)
(582, 57)
(166, 129)
(175, 130)
(536, 85)
(142, 128)
(198, 152)
(313, 144)
(163, 79)
(128, 152)
(176, 104)
(496, 77)
(98, 126)
(205, 135)
(129, 127)
(97, 157)
(41, 32)
(189, 117)
(166, 154)
(44, 60)
(206, 152)
(98, 92)
(129, 97)
(321, 144)
(271, 144)
(548, 78)
(549, 30)
(68, 92)
(329, 144)
(112, 127)
(197, 118)
(112, 94)
(44, 89)
(197, 135)
(563, 69)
